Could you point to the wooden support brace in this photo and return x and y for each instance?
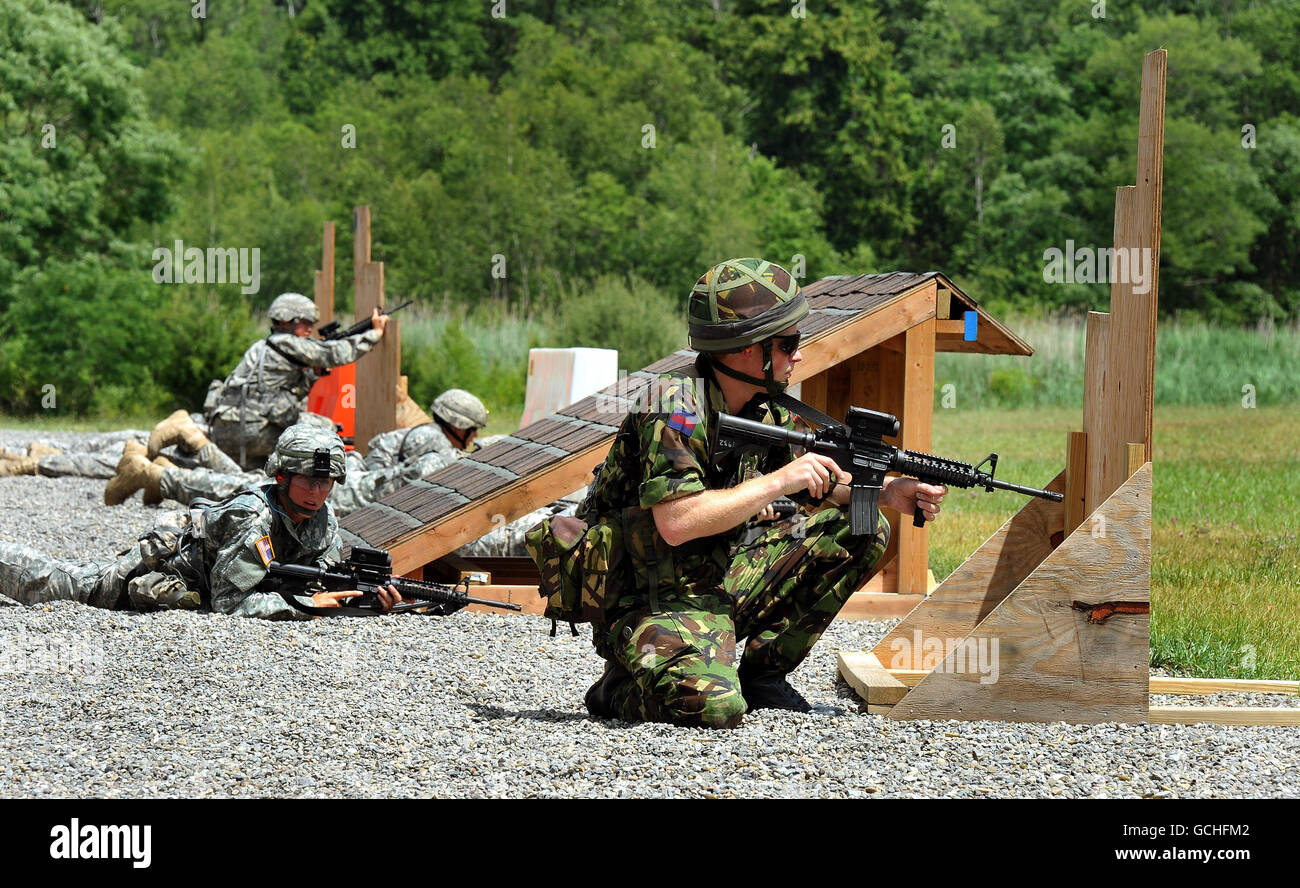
(1076, 480)
(1070, 643)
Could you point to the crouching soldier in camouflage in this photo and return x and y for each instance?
(458, 417)
(267, 392)
(693, 583)
(214, 557)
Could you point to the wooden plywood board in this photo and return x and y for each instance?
(979, 584)
(1130, 353)
(525, 596)
(1070, 643)
(1171, 685)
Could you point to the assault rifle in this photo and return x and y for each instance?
(858, 447)
(367, 571)
(331, 330)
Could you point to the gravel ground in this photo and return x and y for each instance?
(106, 704)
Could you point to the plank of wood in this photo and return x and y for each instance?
(1150, 198)
(1095, 409)
(1135, 455)
(943, 304)
(813, 391)
(950, 328)
(1130, 355)
(1159, 684)
(869, 679)
(1076, 480)
(980, 583)
(324, 278)
(872, 605)
(918, 411)
(878, 709)
(1224, 715)
(1166, 685)
(377, 371)
(424, 544)
(360, 241)
(1040, 656)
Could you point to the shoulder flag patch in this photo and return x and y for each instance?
(265, 550)
(683, 421)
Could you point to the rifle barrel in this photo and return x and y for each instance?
(1027, 491)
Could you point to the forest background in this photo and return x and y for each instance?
(559, 173)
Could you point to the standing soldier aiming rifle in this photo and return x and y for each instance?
(267, 392)
(689, 587)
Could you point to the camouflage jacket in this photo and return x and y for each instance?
(233, 551)
(403, 445)
(271, 383)
(661, 453)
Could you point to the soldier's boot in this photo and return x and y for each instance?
(23, 465)
(176, 429)
(771, 690)
(134, 472)
(37, 449)
(600, 696)
(152, 495)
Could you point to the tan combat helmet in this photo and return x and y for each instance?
(289, 307)
(459, 409)
(308, 450)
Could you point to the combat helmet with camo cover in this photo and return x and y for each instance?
(289, 307)
(744, 302)
(308, 450)
(459, 409)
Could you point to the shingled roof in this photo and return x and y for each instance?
(555, 455)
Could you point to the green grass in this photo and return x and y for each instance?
(1195, 364)
(1225, 575)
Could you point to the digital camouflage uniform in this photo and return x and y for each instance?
(403, 445)
(268, 391)
(96, 458)
(213, 562)
(682, 608)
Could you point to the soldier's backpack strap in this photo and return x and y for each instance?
(298, 362)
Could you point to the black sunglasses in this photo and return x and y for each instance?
(788, 344)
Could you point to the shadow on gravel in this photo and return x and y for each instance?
(485, 711)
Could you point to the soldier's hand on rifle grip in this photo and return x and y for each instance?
(333, 599)
(909, 495)
(380, 321)
(388, 596)
(813, 472)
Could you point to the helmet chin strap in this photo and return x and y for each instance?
(768, 381)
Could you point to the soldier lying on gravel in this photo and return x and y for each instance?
(689, 586)
(96, 458)
(218, 559)
(395, 459)
(267, 391)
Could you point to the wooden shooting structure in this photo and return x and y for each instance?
(372, 385)
(868, 340)
(1049, 620)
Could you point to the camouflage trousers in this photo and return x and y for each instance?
(31, 577)
(781, 590)
(97, 458)
(187, 485)
(258, 439)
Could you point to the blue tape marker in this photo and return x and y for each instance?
(972, 326)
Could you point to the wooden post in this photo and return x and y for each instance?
(324, 278)
(1095, 409)
(1076, 480)
(918, 403)
(377, 372)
